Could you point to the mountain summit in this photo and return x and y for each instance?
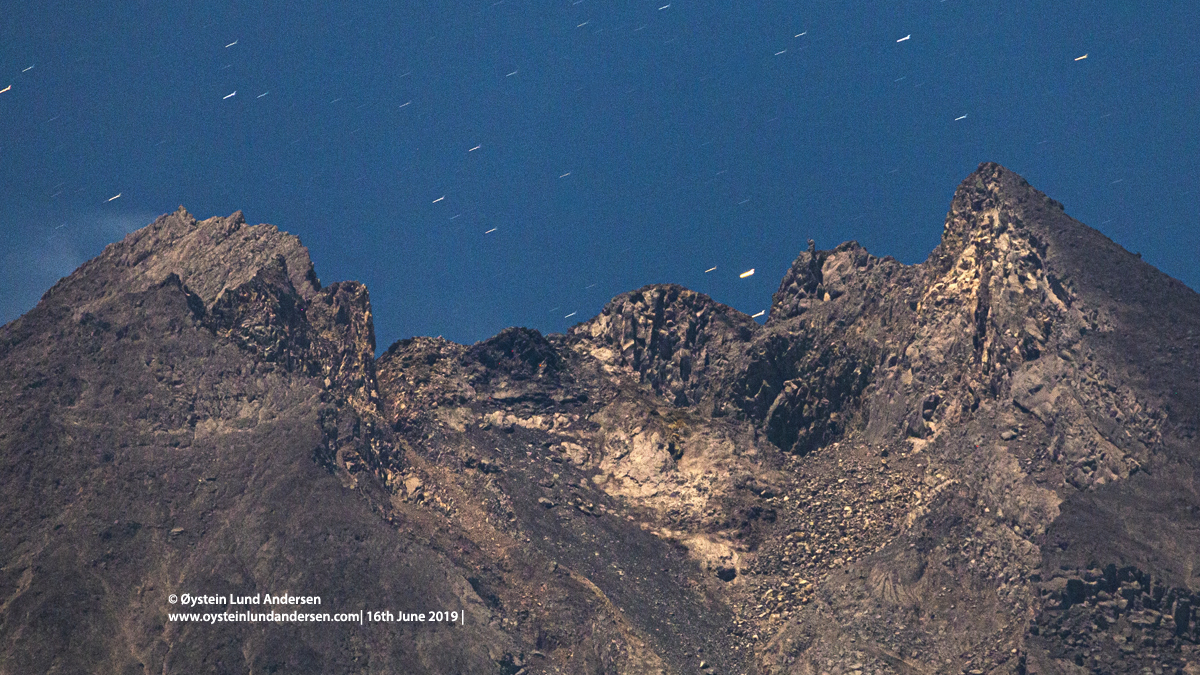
(982, 463)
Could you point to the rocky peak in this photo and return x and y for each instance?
(986, 204)
(520, 353)
(258, 289)
(818, 276)
(329, 336)
(800, 286)
(210, 255)
(671, 338)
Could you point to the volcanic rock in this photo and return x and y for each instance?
(983, 463)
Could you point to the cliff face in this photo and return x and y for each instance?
(984, 462)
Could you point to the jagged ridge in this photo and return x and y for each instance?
(983, 462)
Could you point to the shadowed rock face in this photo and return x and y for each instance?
(982, 463)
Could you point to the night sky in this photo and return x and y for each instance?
(480, 165)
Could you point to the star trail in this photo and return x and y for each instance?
(481, 165)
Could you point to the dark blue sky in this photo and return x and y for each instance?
(615, 143)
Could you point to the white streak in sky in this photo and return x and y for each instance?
(476, 148)
(112, 198)
(755, 316)
(439, 199)
(904, 38)
(565, 174)
(802, 34)
(262, 94)
(960, 118)
(27, 69)
(782, 51)
(511, 74)
(664, 7)
(570, 315)
(231, 95)
(491, 230)
(5, 89)
(1081, 57)
(709, 270)
(231, 44)
(404, 104)
(747, 273)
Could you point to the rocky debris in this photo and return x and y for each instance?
(417, 375)
(837, 510)
(1118, 618)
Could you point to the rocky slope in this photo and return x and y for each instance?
(982, 463)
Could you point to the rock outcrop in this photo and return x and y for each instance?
(674, 339)
(983, 463)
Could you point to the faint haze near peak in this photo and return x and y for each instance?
(53, 249)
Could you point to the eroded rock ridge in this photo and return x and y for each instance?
(983, 463)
